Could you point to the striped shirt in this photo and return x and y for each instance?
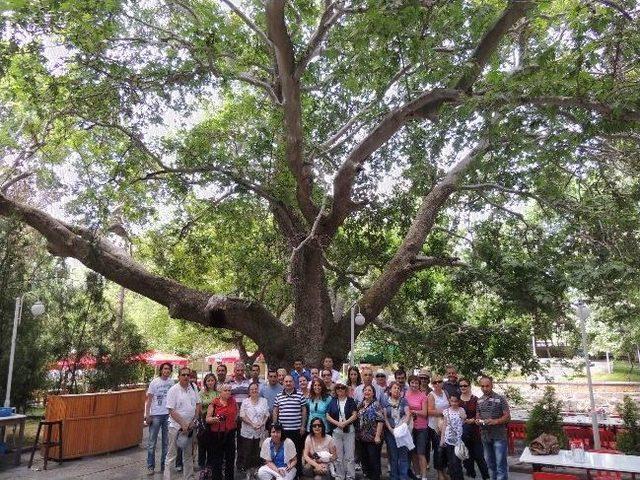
(290, 409)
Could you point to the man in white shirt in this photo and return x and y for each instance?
(327, 364)
(367, 379)
(156, 415)
(183, 403)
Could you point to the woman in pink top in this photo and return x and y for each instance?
(417, 401)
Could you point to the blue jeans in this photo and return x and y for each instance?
(398, 458)
(495, 453)
(158, 422)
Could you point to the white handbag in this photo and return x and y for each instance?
(461, 450)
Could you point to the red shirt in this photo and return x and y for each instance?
(229, 411)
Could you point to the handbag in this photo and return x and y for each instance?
(201, 428)
(461, 450)
(545, 444)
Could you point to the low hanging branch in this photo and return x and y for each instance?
(95, 252)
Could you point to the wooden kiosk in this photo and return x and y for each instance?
(94, 423)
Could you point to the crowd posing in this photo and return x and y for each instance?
(310, 422)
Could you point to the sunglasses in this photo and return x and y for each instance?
(316, 425)
(184, 374)
(437, 381)
(462, 385)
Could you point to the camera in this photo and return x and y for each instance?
(315, 456)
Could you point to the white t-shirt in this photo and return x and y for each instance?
(257, 413)
(159, 388)
(183, 401)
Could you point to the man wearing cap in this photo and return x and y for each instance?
(381, 378)
(425, 378)
(183, 403)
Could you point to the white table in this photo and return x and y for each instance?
(593, 461)
(20, 420)
(582, 420)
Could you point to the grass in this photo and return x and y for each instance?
(620, 374)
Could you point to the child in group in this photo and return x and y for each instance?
(454, 418)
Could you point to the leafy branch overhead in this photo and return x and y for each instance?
(279, 160)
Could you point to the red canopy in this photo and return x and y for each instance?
(155, 358)
(228, 356)
(84, 362)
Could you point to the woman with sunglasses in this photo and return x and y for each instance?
(353, 380)
(221, 416)
(471, 432)
(208, 394)
(437, 403)
(341, 415)
(319, 452)
(318, 403)
(396, 413)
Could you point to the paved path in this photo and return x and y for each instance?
(125, 465)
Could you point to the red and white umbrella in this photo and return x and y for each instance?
(228, 356)
(85, 362)
(156, 358)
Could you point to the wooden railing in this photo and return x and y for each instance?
(94, 423)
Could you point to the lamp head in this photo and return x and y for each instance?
(359, 320)
(37, 308)
(582, 310)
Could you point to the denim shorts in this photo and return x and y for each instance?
(421, 440)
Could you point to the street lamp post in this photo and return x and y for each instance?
(356, 319)
(583, 313)
(36, 309)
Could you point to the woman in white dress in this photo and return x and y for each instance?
(254, 413)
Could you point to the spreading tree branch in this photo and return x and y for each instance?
(290, 92)
(11, 182)
(407, 258)
(345, 178)
(329, 18)
(621, 113)
(516, 10)
(425, 106)
(245, 316)
(249, 23)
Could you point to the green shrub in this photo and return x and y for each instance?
(629, 440)
(545, 417)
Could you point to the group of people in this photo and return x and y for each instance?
(314, 423)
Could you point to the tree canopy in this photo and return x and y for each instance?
(271, 162)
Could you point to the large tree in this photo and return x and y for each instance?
(349, 135)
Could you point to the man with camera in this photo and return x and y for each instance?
(184, 406)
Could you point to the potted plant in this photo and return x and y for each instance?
(545, 417)
(628, 441)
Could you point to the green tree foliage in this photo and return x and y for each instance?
(80, 322)
(628, 441)
(545, 417)
(292, 157)
(22, 262)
